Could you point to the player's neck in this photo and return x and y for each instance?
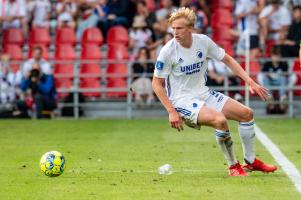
(187, 43)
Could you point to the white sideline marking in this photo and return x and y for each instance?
(138, 171)
(287, 166)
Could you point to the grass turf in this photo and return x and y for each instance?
(118, 159)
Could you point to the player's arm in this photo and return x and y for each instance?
(174, 117)
(238, 70)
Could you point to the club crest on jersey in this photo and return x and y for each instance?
(199, 54)
(180, 60)
(159, 65)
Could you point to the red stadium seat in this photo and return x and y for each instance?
(117, 51)
(64, 58)
(15, 53)
(269, 45)
(13, 36)
(118, 34)
(297, 70)
(92, 36)
(221, 33)
(118, 84)
(90, 83)
(65, 52)
(45, 52)
(117, 54)
(63, 83)
(39, 36)
(65, 35)
(222, 17)
(225, 4)
(90, 54)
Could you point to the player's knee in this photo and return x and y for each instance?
(220, 122)
(248, 115)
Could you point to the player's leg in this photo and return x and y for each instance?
(234, 110)
(210, 117)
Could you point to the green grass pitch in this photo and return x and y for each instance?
(118, 159)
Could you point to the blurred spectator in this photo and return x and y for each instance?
(39, 91)
(161, 26)
(9, 81)
(140, 35)
(142, 85)
(274, 20)
(13, 15)
(246, 12)
(217, 73)
(275, 73)
(168, 7)
(290, 47)
(39, 11)
(66, 11)
(117, 13)
(150, 17)
(201, 18)
(9, 90)
(37, 59)
(97, 12)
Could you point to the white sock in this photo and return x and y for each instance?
(224, 140)
(246, 130)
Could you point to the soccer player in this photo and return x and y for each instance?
(181, 67)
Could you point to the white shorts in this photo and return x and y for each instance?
(189, 108)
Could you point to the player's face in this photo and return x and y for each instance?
(182, 32)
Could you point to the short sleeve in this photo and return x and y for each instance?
(214, 51)
(163, 65)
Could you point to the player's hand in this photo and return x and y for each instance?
(262, 92)
(175, 120)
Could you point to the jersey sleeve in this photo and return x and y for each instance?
(214, 51)
(163, 64)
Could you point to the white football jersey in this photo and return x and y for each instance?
(185, 69)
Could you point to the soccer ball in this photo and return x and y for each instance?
(52, 163)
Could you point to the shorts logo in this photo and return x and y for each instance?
(159, 65)
(184, 111)
(199, 54)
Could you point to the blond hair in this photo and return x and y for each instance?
(186, 13)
